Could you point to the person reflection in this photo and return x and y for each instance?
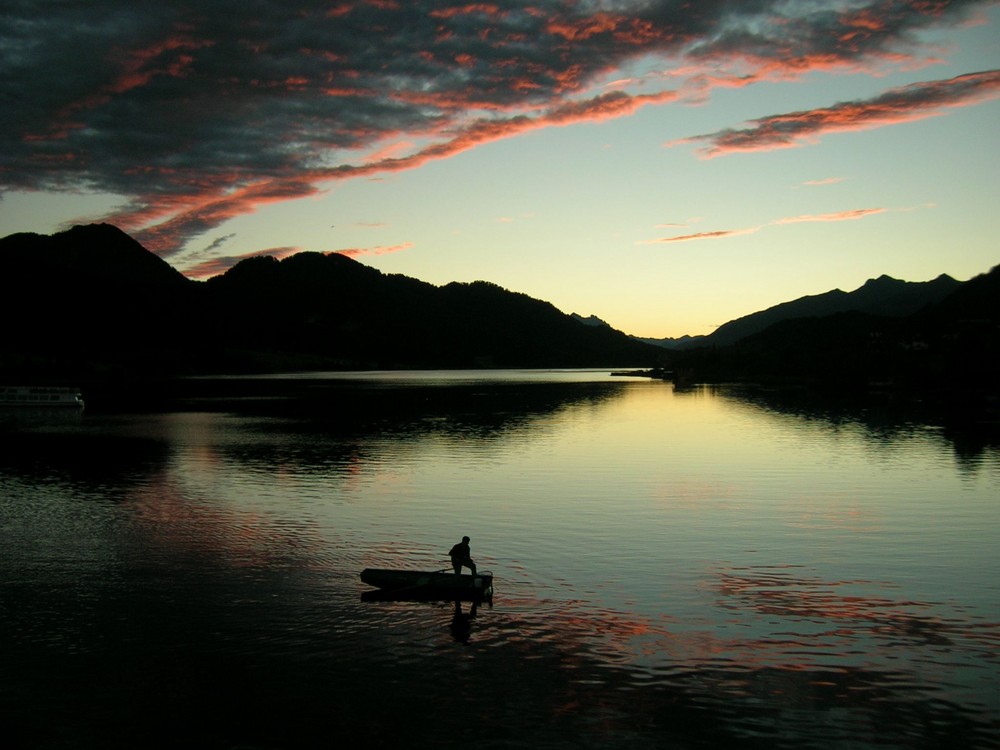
(461, 555)
(461, 623)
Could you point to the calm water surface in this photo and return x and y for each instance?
(674, 569)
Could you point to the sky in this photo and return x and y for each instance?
(666, 166)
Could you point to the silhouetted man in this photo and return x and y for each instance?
(461, 556)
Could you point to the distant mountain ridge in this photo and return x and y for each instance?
(99, 252)
(882, 296)
(93, 300)
(948, 350)
(590, 320)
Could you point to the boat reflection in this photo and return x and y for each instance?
(460, 625)
(380, 595)
(461, 622)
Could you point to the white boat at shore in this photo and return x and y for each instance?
(20, 395)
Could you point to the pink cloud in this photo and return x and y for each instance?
(197, 212)
(858, 213)
(624, 29)
(196, 115)
(169, 57)
(825, 181)
(219, 265)
(849, 215)
(580, 29)
(597, 109)
(164, 224)
(354, 252)
(899, 105)
(718, 234)
(466, 10)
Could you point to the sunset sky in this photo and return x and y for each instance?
(667, 166)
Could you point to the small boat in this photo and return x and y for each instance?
(428, 585)
(19, 395)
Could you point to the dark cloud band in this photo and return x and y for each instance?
(196, 112)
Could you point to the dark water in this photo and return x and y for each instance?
(678, 570)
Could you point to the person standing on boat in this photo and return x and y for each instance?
(461, 556)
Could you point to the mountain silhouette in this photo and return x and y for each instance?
(882, 296)
(948, 347)
(89, 299)
(96, 253)
(92, 301)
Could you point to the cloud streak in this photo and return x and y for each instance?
(196, 114)
(715, 235)
(904, 104)
(824, 181)
(849, 215)
(857, 213)
(355, 252)
(216, 204)
(220, 264)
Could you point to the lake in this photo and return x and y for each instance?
(712, 567)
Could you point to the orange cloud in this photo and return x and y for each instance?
(718, 234)
(583, 28)
(905, 104)
(825, 181)
(169, 58)
(850, 215)
(200, 211)
(465, 10)
(202, 114)
(202, 208)
(354, 252)
(857, 213)
(219, 265)
(604, 107)
(140, 65)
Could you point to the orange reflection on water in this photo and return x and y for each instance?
(171, 524)
(691, 493)
(858, 618)
(834, 510)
